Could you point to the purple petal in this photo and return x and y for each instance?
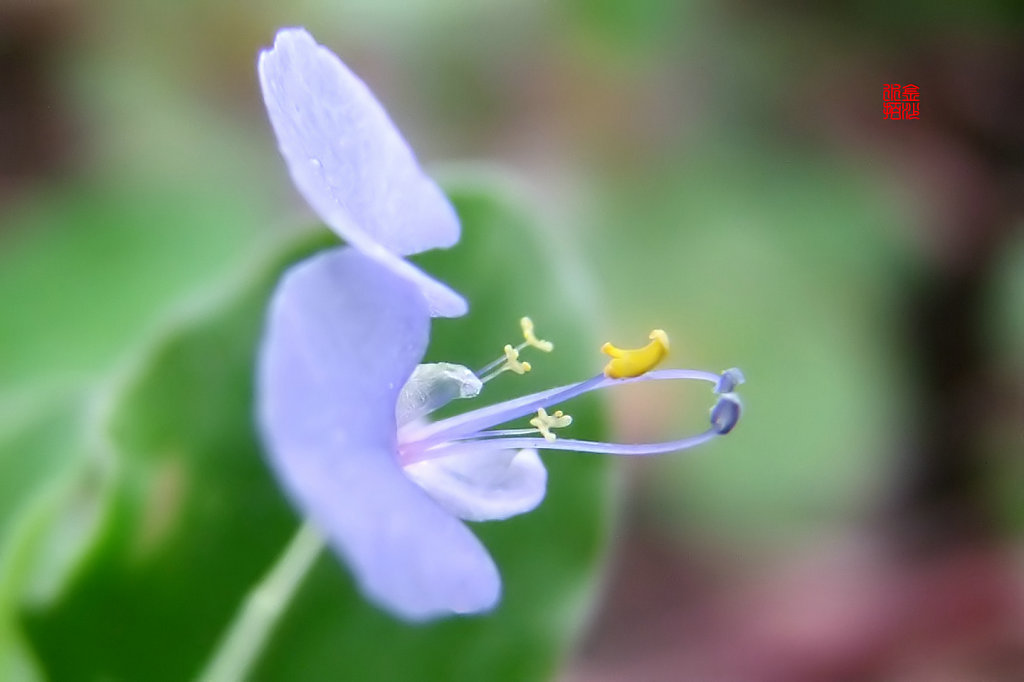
(343, 336)
(484, 485)
(345, 155)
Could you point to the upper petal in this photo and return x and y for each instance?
(483, 485)
(342, 337)
(345, 155)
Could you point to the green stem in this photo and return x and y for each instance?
(262, 609)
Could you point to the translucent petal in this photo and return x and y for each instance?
(345, 155)
(343, 336)
(484, 485)
(432, 386)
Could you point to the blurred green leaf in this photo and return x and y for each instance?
(198, 518)
(640, 27)
(40, 458)
(67, 258)
(69, 320)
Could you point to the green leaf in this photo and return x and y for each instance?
(198, 519)
(40, 457)
(69, 319)
(87, 271)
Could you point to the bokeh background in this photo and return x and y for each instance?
(719, 170)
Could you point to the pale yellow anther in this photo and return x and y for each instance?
(634, 362)
(512, 363)
(544, 422)
(531, 339)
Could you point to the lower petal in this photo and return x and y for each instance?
(408, 554)
(483, 485)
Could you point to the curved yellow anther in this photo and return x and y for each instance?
(531, 339)
(544, 422)
(512, 363)
(634, 362)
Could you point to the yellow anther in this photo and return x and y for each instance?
(512, 363)
(531, 339)
(544, 422)
(634, 362)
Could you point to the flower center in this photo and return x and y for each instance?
(474, 431)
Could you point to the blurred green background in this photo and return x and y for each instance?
(719, 170)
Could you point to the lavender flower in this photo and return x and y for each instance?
(343, 403)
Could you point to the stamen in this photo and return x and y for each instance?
(510, 360)
(511, 363)
(628, 363)
(544, 422)
(570, 444)
(531, 339)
